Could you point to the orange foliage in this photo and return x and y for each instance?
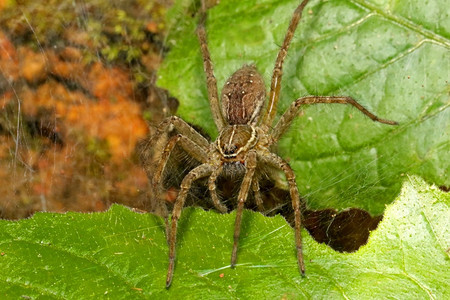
(110, 83)
(107, 112)
(114, 116)
(100, 104)
(8, 58)
(33, 66)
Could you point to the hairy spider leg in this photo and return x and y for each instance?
(193, 142)
(211, 81)
(196, 173)
(287, 118)
(212, 189)
(277, 161)
(181, 127)
(189, 146)
(257, 194)
(275, 84)
(190, 140)
(242, 197)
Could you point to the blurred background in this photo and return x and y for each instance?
(76, 95)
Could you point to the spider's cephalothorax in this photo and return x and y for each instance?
(235, 140)
(246, 136)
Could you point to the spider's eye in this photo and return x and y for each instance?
(231, 149)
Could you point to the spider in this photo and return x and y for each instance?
(246, 137)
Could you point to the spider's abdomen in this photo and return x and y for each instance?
(243, 96)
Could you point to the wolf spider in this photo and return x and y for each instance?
(246, 137)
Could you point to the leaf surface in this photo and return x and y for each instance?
(120, 254)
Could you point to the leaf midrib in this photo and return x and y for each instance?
(404, 22)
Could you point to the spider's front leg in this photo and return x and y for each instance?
(211, 81)
(242, 197)
(275, 160)
(287, 118)
(275, 84)
(156, 150)
(197, 173)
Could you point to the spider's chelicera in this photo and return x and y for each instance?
(246, 137)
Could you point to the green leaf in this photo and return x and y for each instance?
(123, 254)
(392, 56)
